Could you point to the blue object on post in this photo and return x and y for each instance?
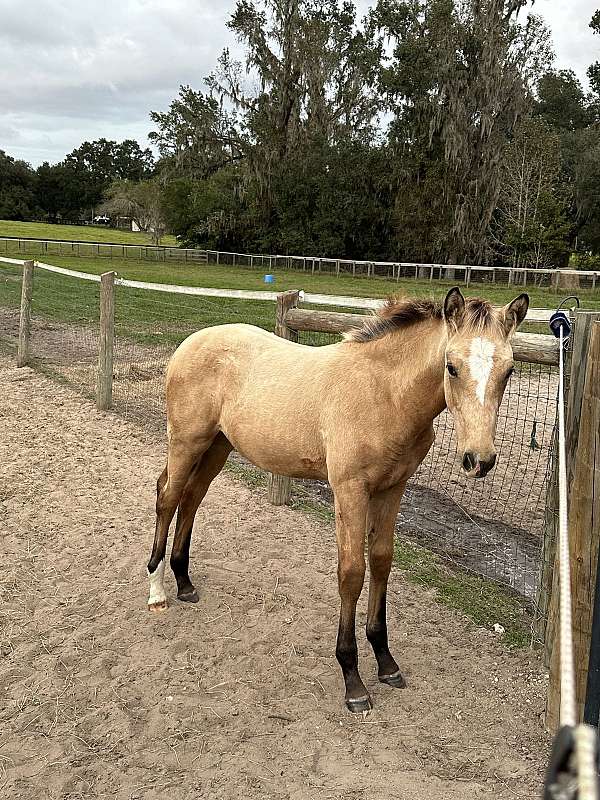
(560, 319)
(269, 279)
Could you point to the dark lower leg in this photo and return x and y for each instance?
(357, 696)
(387, 668)
(170, 487)
(158, 553)
(198, 483)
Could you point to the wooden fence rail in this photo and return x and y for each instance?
(534, 348)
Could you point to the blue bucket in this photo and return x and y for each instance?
(269, 279)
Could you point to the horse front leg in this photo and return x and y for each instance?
(351, 501)
(381, 520)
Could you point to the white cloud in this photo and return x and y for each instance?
(575, 44)
(74, 70)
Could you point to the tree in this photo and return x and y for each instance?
(94, 165)
(279, 149)
(59, 190)
(196, 136)
(594, 70)
(17, 189)
(458, 83)
(562, 102)
(581, 175)
(141, 201)
(531, 221)
(315, 70)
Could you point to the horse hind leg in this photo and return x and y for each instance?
(203, 474)
(169, 489)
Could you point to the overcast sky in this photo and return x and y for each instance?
(73, 70)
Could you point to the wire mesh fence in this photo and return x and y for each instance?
(42, 248)
(64, 325)
(148, 328)
(492, 527)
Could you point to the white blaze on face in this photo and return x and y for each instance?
(481, 361)
(157, 590)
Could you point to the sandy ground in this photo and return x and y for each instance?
(240, 695)
(491, 526)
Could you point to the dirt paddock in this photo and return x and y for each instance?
(239, 696)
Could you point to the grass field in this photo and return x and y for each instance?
(76, 233)
(228, 277)
(150, 317)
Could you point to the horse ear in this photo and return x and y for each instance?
(515, 312)
(454, 307)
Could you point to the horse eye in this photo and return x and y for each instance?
(452, 370)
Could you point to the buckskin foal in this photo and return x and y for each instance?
(358, 414)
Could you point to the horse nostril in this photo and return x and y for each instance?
(468, 462)
(483, 467)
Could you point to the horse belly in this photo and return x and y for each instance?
(284, 449)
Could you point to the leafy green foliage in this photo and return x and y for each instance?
(532, 226)
(395, 137)
(73, 188)
(17, 189)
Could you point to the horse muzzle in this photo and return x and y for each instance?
(477, 467)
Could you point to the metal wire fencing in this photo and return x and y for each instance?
(64, 325)
(494, 526)
(148, 328)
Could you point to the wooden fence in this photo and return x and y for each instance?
(583, 434)
(141, 252)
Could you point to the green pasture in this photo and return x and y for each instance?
(229, 277)
(162, 318)
(76, 233)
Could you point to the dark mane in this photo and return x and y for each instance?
(398, 313)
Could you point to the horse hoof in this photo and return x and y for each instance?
(156, 607)
(359, 704)
(189, 597)
(396, 679)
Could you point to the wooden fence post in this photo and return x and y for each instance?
(25, 318)
(106, 345)
(584, 530)
(280, 486)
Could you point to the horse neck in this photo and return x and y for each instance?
(413, 366)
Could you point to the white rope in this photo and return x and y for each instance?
(341, 301)
(567, 667)
(586, 739)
